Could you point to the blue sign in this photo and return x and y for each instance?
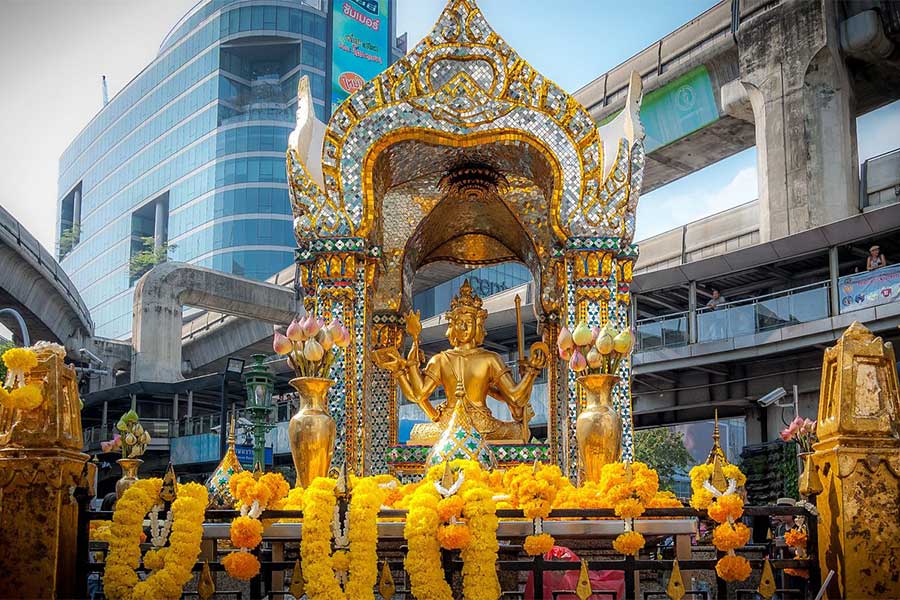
(871, 288)
(245, 456)
(360, 36)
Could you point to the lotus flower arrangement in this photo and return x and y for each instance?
(594, 350)
(311, 345)
(134, 438)
(801, 431)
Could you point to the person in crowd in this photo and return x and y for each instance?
(876, 259)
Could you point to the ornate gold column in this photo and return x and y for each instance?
(590, 297)
(622, 399)
(40, 465)
(857, 459)
(383, 399)
(339, 272)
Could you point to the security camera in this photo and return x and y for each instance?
(772, 397)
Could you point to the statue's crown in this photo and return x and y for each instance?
(467, 299)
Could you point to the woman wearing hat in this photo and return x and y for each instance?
(876, 259)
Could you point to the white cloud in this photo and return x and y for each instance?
(661, 211)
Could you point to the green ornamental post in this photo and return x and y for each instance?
(259, 382)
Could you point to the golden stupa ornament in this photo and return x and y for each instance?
(297, 588)
(766, 587)
(217, 485)
(168, 491)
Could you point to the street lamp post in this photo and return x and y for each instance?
(259, 383)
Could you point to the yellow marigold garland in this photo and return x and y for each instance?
(253, 496)
(423, 558)
(171, 566)
(20, 396)
(534, 490)
(319, 564)
(538, 544)
(629, 543)
(725, 509)
(480, 554)
(628, 488)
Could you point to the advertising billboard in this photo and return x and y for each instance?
(360, 35)
(870, 288)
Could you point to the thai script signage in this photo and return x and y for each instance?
(871, 288)
(361, 45)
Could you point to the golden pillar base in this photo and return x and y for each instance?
(38, 521)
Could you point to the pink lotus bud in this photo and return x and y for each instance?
(577, 363)
(334, 325)
(313, 351)
(294, 332)
(595, 332)
(623, 342)
(582, 334)
(344, 339)
(324, 338)
(565, 353)
(309, 326)
(565, 341)
(594, 358)
(785, 435)
(281, 344)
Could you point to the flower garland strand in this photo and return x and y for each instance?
(171, 567)
(21, 395)
(628, 488)
(253, 497)
(361, 562)
(534, 490)
(725, 508)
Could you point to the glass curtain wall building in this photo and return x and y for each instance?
(189, 156)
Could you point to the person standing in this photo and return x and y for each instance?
(876, 259)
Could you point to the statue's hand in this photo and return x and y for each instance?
(414, 323)
(389, 359)
(538, 356)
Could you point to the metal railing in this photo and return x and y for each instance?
(159, 429)
(732, 319)
(670, 534)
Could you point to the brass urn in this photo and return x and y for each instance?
(598, 428)
(130, 468)
(312, 430)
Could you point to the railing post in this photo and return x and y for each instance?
(692, 312)
(834, 273)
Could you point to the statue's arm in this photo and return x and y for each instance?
(517, 394)
(418, 388)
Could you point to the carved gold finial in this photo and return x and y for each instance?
(675, 589)
(386, 583)
(766, 587)
(231, 438)
(583, 588)
(536, 467)
(342, 487)
(206, 587)
(167, 492)
(257, 470)
(716, 450)
(297, 589)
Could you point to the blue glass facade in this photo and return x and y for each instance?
(191, 151)
(485, 281)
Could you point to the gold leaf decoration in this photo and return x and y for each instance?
(675, 589)
(583, 589)
(206, 587)
(386, 584)
(766, 581)
(297, 590)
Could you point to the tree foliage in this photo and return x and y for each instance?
(68, 239)
(150, 256)
(4, 346)
(663, 449)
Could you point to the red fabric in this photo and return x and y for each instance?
(605, 581)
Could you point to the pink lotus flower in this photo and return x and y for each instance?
(595, 332)
(565, 341)
(577, 363)
(325, 340)
(785, 435)
(313, 351)
(342, 337)
(114, 445)
(565, 353)
(281, 345)
(295, 332)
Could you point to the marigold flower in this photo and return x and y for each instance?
(450, 507)
(726, 507)
(733, 568)
(629, 543)
(246, 532)
(340, 561)
(630, 508)
(20, 360)
(27, 397)
(797, 573)
(796, 538)
(538, 544)
(241, 565)
(454, 537)
(728, 536)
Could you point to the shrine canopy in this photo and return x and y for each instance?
(462, 151)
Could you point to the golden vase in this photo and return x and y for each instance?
(809, 483)
(130, 468)
(312, 430)
(598, 428)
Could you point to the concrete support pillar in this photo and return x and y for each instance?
(76, 209)
(692, 312)
(175, 407)
(803, 111)
(104, 418)
(133, 401)
(834, 274)
(190, 404)
(159, 224)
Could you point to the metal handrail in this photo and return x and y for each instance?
(665, 317)
(757, 299)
